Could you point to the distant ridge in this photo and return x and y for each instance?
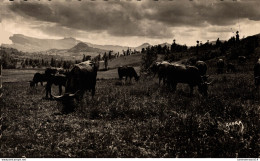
(82, 47)
(30, 44)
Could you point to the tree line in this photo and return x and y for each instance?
(231, 49)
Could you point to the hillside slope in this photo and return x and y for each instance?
(131, 60)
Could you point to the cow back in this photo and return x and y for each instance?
(184, 74)
(82, 77)
(39, 77)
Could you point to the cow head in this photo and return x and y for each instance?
(67, 101)
(32, 84)
(203, 88)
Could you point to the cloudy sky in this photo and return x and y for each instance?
(130, 23)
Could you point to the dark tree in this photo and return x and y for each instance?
(237, 36)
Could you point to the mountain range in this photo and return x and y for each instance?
(30, 44)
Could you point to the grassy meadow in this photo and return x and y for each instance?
(141, 119)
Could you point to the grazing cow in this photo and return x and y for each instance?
(126, 72)
(58, 80)
(202, 66)
(257, 73)
(220, 66)
(162, 71)
(81, 78)
(50, 71)
(231, 67)
(38, 77)
(154, 68)
(241, 59)
(56, 76)
(186, 74)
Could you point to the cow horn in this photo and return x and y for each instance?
(57, 98)
(209, 83)
(74, 94)
(65, 96)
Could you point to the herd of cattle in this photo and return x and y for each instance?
(173, 73)
(82, 77)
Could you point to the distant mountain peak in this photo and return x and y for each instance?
(69, 38)
(82, 44)
(83, 47)
(146, 44)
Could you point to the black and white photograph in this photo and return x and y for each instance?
(130, 79)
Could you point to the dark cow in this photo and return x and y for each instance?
(126, 72)
(56, 79)
(56, 76)
(257, 73)
(202, 66)
(81, 78)
(231, 68)
(186, 74)
(241, 59)
(38, 77)
(154, 68)
(220, 66)
(50, 71)
(162, 71)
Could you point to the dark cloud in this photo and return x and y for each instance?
(202, 13)
(34, 10)
(219, 29)
(119, 19)
(145, 19)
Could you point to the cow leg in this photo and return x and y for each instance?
(93, 92)
(160, 80)
(191, 90)
(42, 83)
(130, 81)
(174, 86)
(125, 79)
(48, 90)
(60, 89)
(164, 81)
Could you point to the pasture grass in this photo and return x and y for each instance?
(138, 119)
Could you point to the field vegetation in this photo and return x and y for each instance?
(141, 119)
